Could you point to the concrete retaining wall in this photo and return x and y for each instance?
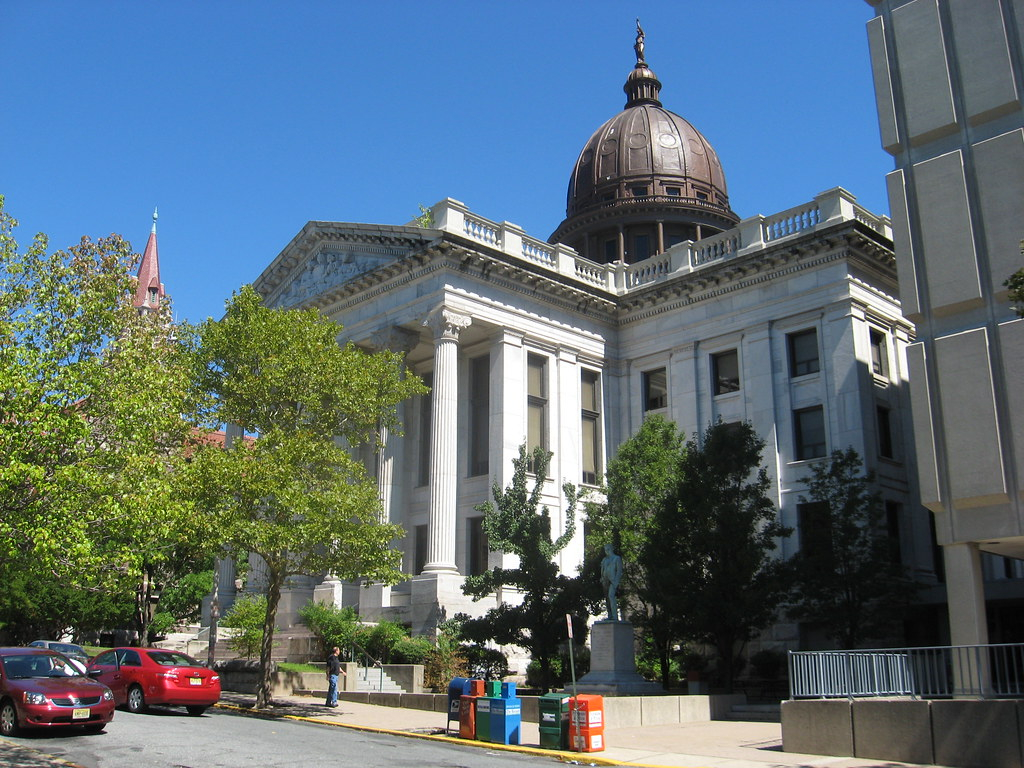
(960, 733)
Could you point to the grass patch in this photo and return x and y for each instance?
(287, 666)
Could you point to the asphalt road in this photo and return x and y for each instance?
(168, 738)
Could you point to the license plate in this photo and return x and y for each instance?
(195, 681)
(82, 713)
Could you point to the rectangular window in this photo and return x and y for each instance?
(884, 420)
(879, 354)
(477, 546)
(426, 409)
(420, 549)
(479, 414)
(701, 195)
(641, 247)
(803, 352)
(725, 368)
(611, 251)
(673, 191)
(892, 525)
(815, 530)
(590, 401)
(639, 191)
(536, 402)
(655, 389)
(809, 429)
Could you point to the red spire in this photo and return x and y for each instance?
(149, 291)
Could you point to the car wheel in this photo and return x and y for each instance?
(195, 711)
(136, 700)
(8, 719)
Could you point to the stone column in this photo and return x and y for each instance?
(965, 587)
(446, 325)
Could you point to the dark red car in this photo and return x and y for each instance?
(143, 676)
(42, 689)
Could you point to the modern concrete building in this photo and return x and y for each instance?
(665, 301)
(949, 76)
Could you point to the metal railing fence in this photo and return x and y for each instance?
(983, 671)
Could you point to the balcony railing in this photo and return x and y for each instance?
(746, 237)
(982, 671)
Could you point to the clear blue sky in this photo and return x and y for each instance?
(244, 120)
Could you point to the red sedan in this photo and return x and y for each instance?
(43, 689)
(143, 676)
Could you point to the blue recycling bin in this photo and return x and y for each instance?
(505, 720)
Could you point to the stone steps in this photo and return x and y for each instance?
(760, 713)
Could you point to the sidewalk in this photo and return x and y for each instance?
(715, 744)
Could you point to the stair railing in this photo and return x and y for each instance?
(367, 658)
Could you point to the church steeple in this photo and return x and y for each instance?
(149, 291)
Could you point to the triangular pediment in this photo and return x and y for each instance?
(326, 256)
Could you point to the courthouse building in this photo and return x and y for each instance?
(652, 296)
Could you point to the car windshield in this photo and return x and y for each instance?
(172, 659)
(68, 648)
(21, 666)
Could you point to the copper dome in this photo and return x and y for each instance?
(646, 164)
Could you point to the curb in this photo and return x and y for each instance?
(562, 756)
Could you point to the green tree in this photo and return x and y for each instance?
(517, 523)
(292, 493)
(95, 410)
(848, 579)
(247, 615)
(640, 481)
(717, 537)
(1016, 285)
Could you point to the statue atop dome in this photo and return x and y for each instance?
(638, 46)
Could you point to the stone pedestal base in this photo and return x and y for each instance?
(613, 663)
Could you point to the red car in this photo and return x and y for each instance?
(42, 689)
(143, 676)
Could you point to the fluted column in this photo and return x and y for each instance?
(446, 325)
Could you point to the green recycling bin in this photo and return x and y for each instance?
(553, 719)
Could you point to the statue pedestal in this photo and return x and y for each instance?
(613, 663)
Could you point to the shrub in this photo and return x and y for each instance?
(445, 661)
(246, 614)
(412, 650)
(333, 626)
(381, 640)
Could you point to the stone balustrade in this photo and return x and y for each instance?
(751, 234)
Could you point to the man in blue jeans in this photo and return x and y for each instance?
(333, 670)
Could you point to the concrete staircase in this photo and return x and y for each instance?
(376, 679)
(761, 713)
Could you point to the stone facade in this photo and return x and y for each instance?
(948, 79)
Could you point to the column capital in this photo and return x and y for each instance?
(447, 323)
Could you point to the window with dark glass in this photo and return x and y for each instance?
(673, 191)
(815, 530)
(655, 384)
(803, 352)
(479, 413)
(701, 195)
(611, 250)
(641, 247)
(892, 529)
(590, 401)
(639, 191)
(879, 354)
(420, 549)
(725, 370)
(884, 419)
(536, 402)
(477, 546)
(809, 429)
(425, 416)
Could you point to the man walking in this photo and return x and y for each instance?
(333, 670)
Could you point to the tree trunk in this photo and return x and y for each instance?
(263, 692)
